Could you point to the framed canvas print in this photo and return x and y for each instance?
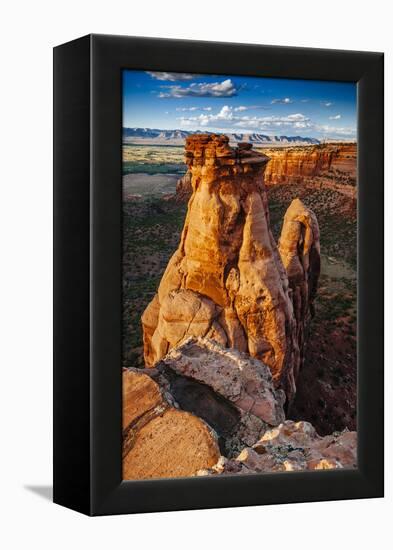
(218, 275)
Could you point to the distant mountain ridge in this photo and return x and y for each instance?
(151, 136)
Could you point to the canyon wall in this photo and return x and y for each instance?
(295, 164)
(228, 281)
(335, 164)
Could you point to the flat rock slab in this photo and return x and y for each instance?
(174, 444)
(159, 440)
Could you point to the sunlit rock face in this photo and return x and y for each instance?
(227, 280)
(296, 164)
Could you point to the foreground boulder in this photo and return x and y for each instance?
(231, 391)
(158, 439)
(226, 281)
(292, 446)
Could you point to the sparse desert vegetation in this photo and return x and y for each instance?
(153, 159)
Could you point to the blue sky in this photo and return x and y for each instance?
(240, 104)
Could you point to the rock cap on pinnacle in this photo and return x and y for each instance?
(216, 146)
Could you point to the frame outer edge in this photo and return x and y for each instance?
(71, 317)
(109, 494)
(371, 276)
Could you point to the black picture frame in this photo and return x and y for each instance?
(87, 274)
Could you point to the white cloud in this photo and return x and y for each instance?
(227, 118)
(335, 117)
(327, 103)
(284, 100)
(336, 131)
(185, 109)
(172, 77)
(226, 88)
(249, 107)
(231, 120)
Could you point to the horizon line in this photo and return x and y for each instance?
(343, 138)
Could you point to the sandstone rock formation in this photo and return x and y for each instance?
(226, 281)
(300, 253)
(292, 446)
(158, 439)
(335, 163)
(295, 164)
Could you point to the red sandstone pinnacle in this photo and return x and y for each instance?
(227, 281)
(300, 253)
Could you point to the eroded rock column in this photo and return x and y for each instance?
(226, 281)
(300, 253)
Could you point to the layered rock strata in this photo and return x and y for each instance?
(158, 439)
(296, 164)
(226, 281)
